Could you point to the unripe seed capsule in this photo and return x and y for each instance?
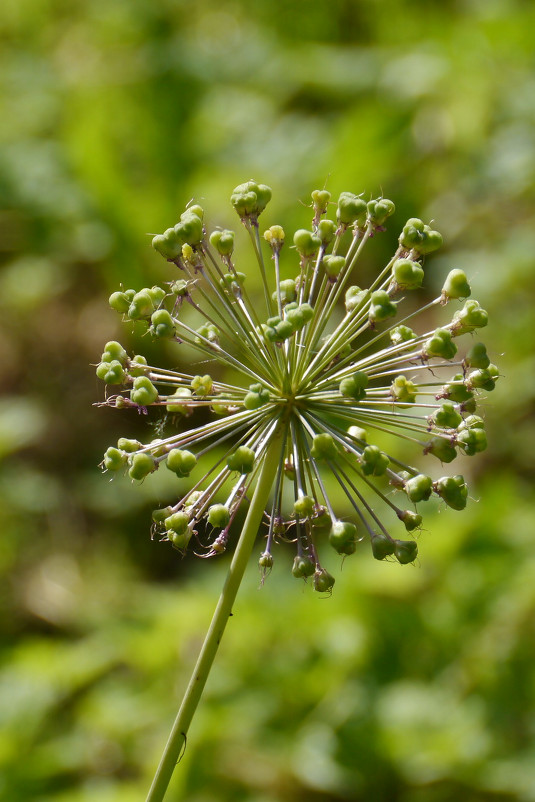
(324, 447)
(304, 506)
(306, 242)
(143, 392)
(410, 519)
(382, 545)
(354, 386)
(477, 357)
(453, 490)
(303, 567)
(323, 581)
(441, 448)
(181, 461)
(407, 274)
(456, 285)
(343, 537)
(218, 516)
(242, 460)
(141, 464)
(405, 551)
(326, 231)
(418, 488)
(114, 459)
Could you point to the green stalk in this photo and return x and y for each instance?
(177, 737)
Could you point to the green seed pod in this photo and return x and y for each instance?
(275, 236)
(357, 433)
(407, 274)
(177, 522)
(266, 560)
(250, 198)
(287, 291)
(333, 265)
(382, 545)
(405, 551)
(439, 345)
(441, 448)
(159, 516)
(283, 331)
(114, 350)
(223, 241)
(432, 241)
(374, 462)
(208, 332)
(142, 305)
(378, 210)
(137, 366)
(189, 230)
(413, 234)
(180, 287)
(410, 519)
(356, 298)
(323, 581)
(257, 396)
(242, 460)
(306, 242)
(453, 490)
(447, 416)
(303, 566)
(184, 395)
(472, 441)
(157, 294)
(321, 198)
(141, 464)
(218, 516)
(483, 378)
(162, 324)
(401, 334)
(114, 459)
(202, 385)
(111, 372)
(179, 541)
(477, 357)
(456, 285)
(354, 386)
(472, 422)
(143, 392)
(418, 488)
(381, 307)
(181, 462)
(167, 244)
(324, 447)
(321, 523)
(326, 231)
(304, 506)
(470, 317)
(130, 446)
(403, 391)
(456, 390)
(351, 209)
(343, 537)
(120, 302)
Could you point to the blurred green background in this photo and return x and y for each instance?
(410, 684)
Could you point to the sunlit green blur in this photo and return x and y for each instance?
(410, 684)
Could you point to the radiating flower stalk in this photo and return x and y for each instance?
(327, 371)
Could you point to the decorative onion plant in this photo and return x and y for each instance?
(318, 373)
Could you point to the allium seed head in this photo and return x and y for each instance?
(331, 380)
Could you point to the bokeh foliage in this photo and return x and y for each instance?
(409, 684)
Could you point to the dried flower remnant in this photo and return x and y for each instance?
(318, 391)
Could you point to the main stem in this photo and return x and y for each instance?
(177, 737)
